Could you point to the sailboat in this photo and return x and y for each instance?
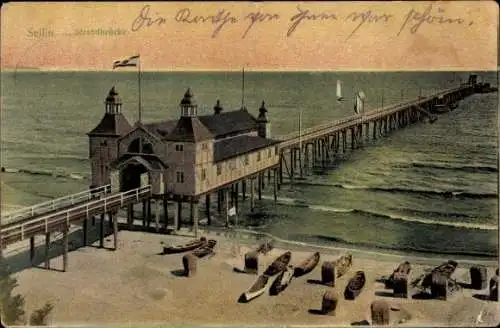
(339, 91)
(359, 103)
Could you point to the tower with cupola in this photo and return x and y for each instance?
(264, 126)
(103, 148)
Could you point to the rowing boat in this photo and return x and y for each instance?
(355, 286)
(280, 264)
(206, 249)
(282, 281)
(257, 289)
(194, 244)
(307, 266)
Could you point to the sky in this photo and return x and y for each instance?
(183, 36)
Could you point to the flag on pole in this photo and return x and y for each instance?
(132, 61)
(232, 211)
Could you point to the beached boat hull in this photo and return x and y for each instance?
(205, 250)
(280, 264)
(355, 286)
(307, 266)
(282, 281)
(257, 289)
(185, 247)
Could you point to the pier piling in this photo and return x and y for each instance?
(47, 249)
(101, 231)
(65, 248)
(32, 250)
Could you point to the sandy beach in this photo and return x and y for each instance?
(135, 284)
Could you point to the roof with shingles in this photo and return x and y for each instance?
(219, 126)
(189, 129)
(112, 125)
(236, 146)
(229, 123)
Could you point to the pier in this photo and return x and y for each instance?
(294, 152)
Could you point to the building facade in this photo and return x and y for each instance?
(181, 159)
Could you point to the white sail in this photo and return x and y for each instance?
(359, 104)
(339, 90)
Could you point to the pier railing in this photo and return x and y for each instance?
(19, 230)
(317, 130)
(55, 204)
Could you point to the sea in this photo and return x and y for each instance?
(425, 189)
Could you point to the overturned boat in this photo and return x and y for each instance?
(307, 265)
(355, 285)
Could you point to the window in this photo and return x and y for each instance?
(258, 156)
(204, 146)
(276, 150)
(203, 174)
(179, 147)
(219, 169)
(233, 165)
(246, 159)
(269, 153)
(180, 177)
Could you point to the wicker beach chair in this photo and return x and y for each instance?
(380, 312)
(329, 303)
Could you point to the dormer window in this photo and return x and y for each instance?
(179, 147)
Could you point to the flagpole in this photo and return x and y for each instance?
(139, 84)
(243, 88)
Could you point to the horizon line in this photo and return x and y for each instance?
(283, 70)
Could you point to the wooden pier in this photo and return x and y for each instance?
(317, 144)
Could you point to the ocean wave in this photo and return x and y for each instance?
(75, 176)
(449, 166)
(391, 216)
(365, 248)
(369, 245)
(425, 192)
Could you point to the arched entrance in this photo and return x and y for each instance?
(134, 171)
(131, 176)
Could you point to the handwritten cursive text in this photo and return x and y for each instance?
(305, 14)
(144, 19)
(220, 19)
(415, 19)
(258, 17)
(368, 16)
